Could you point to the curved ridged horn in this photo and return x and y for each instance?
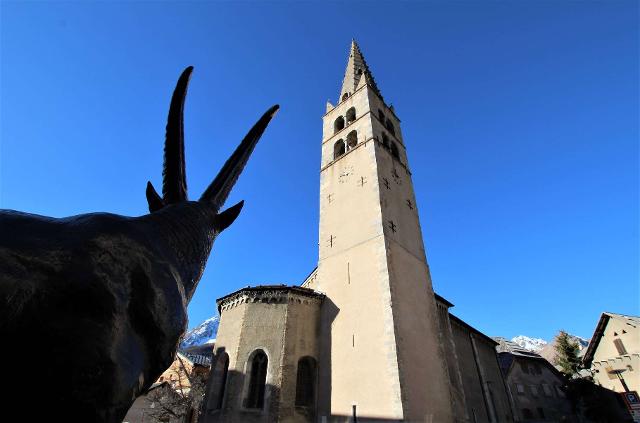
(219, 190)
(174, 180)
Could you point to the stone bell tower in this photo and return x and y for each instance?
(381, 358)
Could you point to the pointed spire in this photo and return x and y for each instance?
(356, 67)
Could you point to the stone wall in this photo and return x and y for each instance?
(486, 396)
(283, 323)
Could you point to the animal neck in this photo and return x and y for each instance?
(187, 231)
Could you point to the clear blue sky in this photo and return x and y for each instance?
(521, 121)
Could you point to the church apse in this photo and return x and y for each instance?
(265, 358)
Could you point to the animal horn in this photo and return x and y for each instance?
(174, 180)
(219, 190)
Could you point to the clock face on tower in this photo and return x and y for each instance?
(345, 174)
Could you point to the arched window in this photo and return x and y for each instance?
(345, 96)
(381, 116)
(394, 150)
(338, 124)
(338, 149)
(352, 139)
(351, 115)
(220, 373)
(306, 382)
(257, 380)
(385, 140)
(390, 127)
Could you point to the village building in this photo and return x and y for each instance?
(612, 358)
(536, 386)
(613, 355)
(171, 391)
(364, 338)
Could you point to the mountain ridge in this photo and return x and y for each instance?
(203, 334)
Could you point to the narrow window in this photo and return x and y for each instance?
(351, 115)
(527, 414)
(525, 367)
(390, 127)
(381, 116)
(534, 390)
(306, 382)
(257, 380)
(385, 140)
(345, 96)
(394, 150)
(338, 124)
(520, 389)
(352, 139)
(541, 413)
(620, 346)
(338, 149)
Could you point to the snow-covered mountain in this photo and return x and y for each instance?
(582, 343)
(531, 344)
(549, 351)
(204, 333)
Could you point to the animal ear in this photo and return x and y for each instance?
(153, 199)
(227, 217)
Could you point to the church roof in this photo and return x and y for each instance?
(356, 69)
(443, 300)
(270, 290)
(466, 325)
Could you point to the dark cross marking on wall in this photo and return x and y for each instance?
(409, 204)
(362, 181)
(386, 183)
(330, 198)
(396, 177)
(331, 238)
(392, 226)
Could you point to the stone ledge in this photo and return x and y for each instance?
(270, 294)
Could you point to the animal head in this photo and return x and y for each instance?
(202, 216)
(108, 293)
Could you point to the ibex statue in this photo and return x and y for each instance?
(92, 307)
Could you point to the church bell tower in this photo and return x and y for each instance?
(381, 357)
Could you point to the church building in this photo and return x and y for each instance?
(364, 338)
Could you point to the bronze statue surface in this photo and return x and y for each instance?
(92, 307)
